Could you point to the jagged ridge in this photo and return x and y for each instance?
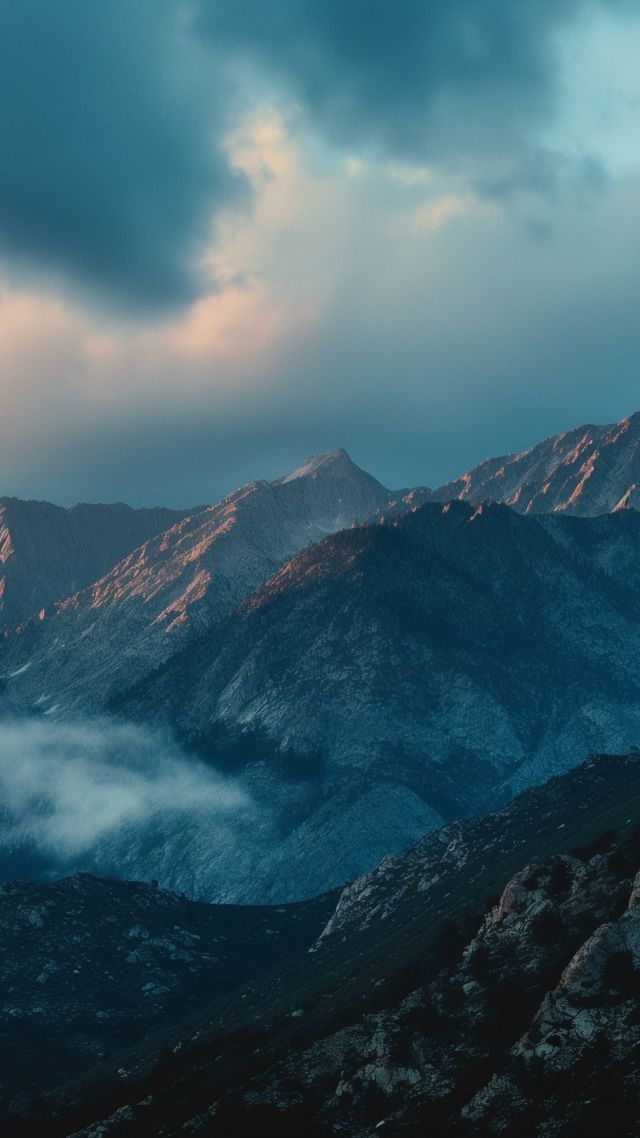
(587, 471)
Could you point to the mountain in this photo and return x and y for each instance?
(47, 552)
(398, 675)
(587, 471)
(93, 644)
(90, 966)
(86, 648)
(486, 983)
(388, 678)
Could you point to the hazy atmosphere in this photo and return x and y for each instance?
(229, 240)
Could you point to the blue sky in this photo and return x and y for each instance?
(232, 234)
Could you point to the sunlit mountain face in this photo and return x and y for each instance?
(319, 795)
(587, 471)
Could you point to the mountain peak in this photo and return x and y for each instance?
(586, 471)
(331, 463)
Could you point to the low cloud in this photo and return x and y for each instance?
(97, 795)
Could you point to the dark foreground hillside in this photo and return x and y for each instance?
(88, 966)
(486, 983)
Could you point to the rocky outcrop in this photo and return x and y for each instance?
(574, 1070)
(452, 1051)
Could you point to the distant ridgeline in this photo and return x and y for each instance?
(363, 683)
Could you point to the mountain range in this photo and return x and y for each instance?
(587, 471)
(48, 553)
(362, 714)
(396, 676)
(89, 646)
(366, 666)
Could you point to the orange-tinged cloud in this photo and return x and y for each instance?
(240, 321)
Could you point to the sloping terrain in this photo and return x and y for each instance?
(141, 608)
(95, 643)
(485, 983)
(47, 552)
(388, 678)
(587, 471)
(398, 675)
(88, 966)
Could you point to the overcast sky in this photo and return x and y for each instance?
(233, 233)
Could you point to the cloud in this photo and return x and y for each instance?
(112, 165)
(463, 84)
(114, 170)
(373, 306)
(68, 790)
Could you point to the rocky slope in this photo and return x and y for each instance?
(587, 471)
(398, 675)
(47, 552)
(88, 647)
(88, 966)
(486, 983)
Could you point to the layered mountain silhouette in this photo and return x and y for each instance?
(401, 674)
(372, 669)
(389, 678)
(140, 609)
(367, 685)
(86, 648)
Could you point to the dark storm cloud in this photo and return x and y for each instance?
(112, 167)
(110, 159)
(462, 82)
(421, 320)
